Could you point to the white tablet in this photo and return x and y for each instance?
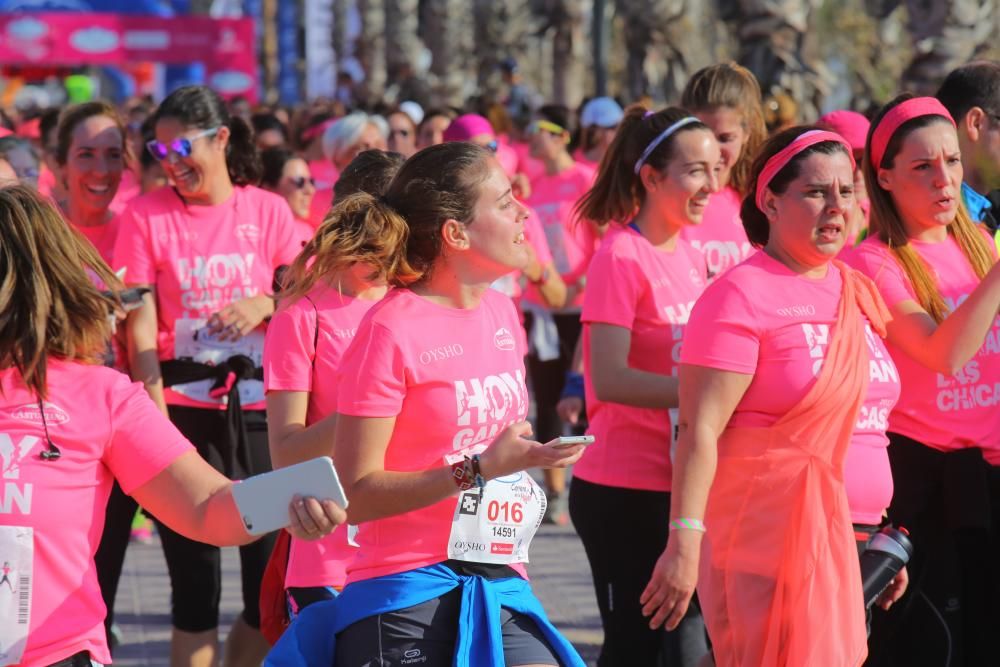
(263, 500)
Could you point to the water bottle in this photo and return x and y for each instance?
(887, 553)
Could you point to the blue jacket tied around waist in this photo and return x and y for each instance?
(311, 638)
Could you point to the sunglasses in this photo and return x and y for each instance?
(300, 182)
(180, 147)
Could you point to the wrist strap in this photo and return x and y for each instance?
(688, 524)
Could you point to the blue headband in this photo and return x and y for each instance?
(659, 140)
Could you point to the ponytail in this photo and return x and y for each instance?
(242, 157)
(359, 229)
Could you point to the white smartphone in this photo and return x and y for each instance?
(263, 500)
(562, 442)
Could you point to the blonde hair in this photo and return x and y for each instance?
(358, 229)
(49, 305)
(734, 86)
(888, 225)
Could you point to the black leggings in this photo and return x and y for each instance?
(548, 377)
(195, 568)
(950, 606)
(624, 531)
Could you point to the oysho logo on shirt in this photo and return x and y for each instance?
(248, 232)
(29, 412)
(440, 353)
(503, 339)
(797, 311)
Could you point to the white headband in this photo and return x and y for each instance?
(659, 140)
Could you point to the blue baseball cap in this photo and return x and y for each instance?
(601, 112)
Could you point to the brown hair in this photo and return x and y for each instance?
(370, 171)
(618, 191)
(438, 184)
(731, 85)
(73, 116)
(888, 226)
(755, 222)
(49, 305)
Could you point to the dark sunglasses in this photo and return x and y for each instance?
(180, 147)
(300, 182)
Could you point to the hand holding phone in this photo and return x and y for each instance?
(264, 500)
(566, 441)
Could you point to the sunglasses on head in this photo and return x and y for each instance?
(300, 182)
(181, 147)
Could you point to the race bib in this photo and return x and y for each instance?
(193, 341)
(497, 523)
(17, 547)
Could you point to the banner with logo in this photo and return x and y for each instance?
(226, 47)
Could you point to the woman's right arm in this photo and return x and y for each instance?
(708, 398)
(143, 358)
(949, 346)
(375, 493)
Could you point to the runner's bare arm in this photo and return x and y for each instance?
(289, 439)
(614, 381)
(143, 359)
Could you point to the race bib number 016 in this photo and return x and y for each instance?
(496, 524)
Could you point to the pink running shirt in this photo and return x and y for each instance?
(200, 259)
(289, 365)
(943, 412)
(651, 293)
(102, 237)
(571, 243)
(721, 236)
(454, 381)
(106, 428)
(320, 206)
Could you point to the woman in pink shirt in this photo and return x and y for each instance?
(553, 333)
(938, 274)
(285, 174)
(726, 97)
(339, 276)
(69, 428)
(208, 246)
(642, 283)
(774, 370)
(437, 408)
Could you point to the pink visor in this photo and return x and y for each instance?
(779, 160)
(914, 107)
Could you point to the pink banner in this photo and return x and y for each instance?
(225, 46)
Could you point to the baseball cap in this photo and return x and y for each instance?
(601, 112)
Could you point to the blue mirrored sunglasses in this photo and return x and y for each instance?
(180, 146)
(491, 146)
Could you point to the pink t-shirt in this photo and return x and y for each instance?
(320, 206)
(761, 318)
(324, 172)
(867, 475)
(102, 237)
(116, 432)
(571, 242)
(200, 259)
(128, 189)
(293, 363)
(651, 293)
(943, 412)
(721, 235)
(453, 382)
(303, 232)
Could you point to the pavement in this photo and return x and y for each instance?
(559, 573)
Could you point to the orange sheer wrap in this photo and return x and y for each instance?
(779, 580)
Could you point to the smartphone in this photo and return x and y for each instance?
(565, 441)
(263, 500)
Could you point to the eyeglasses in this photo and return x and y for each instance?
(300, 182)
(180, 147)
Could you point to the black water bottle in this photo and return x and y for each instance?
(887, 553)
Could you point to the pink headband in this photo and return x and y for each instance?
(779, 160)
(915, 107)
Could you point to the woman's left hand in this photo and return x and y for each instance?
(241, 317)
(313, 519)
(895, 590)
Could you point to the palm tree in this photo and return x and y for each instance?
(446, 28)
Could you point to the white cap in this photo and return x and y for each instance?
(413, 110)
